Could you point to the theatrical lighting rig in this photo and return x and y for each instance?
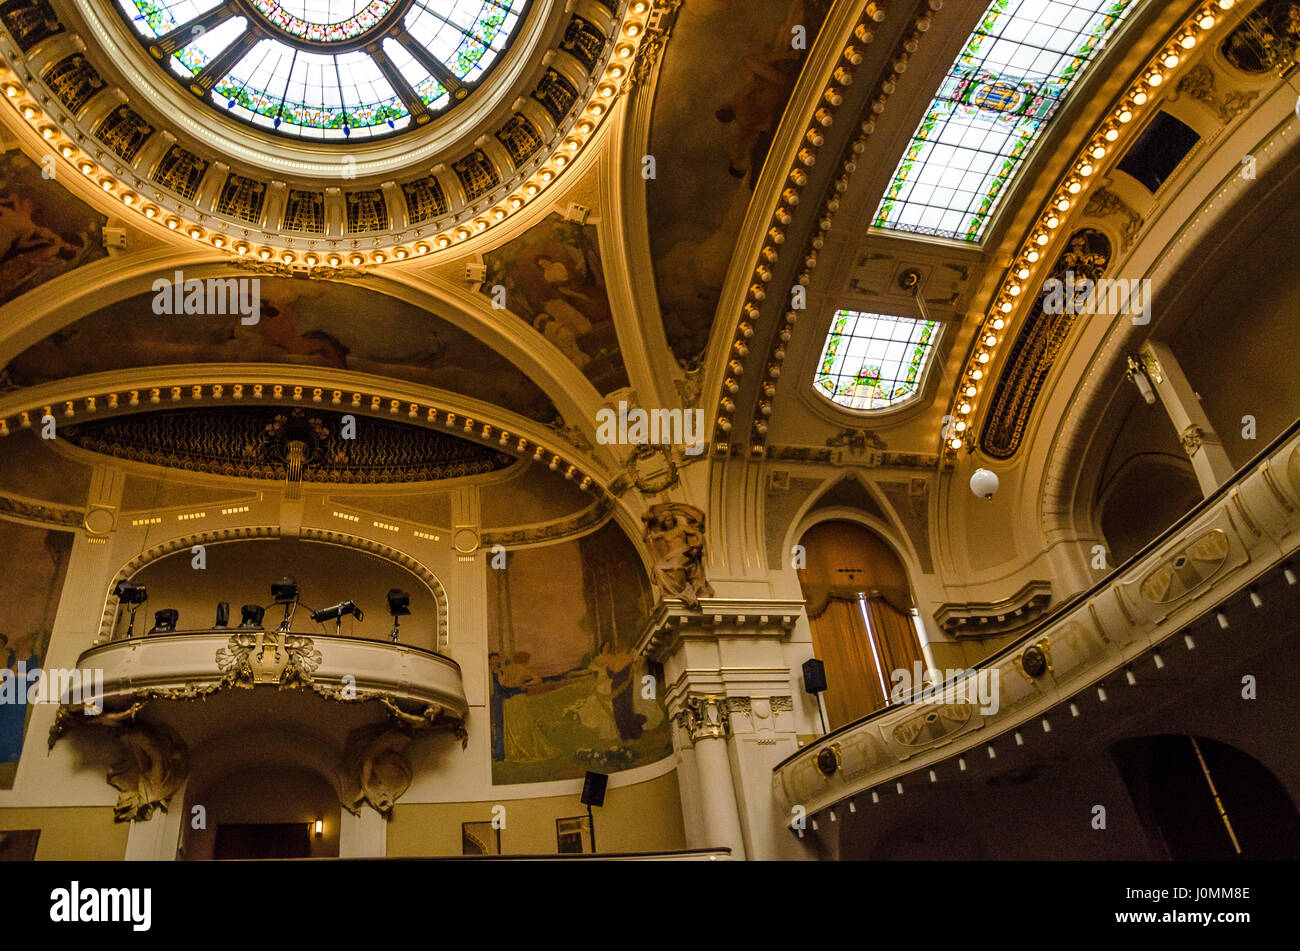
(128, 592)
(285, 591)
(336, 613)
(399, 605)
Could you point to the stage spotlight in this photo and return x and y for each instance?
(164, 621)
(285, 590)
(250, 615)
(399, 605)
(337, 612)
(128, 592)
(223, 614)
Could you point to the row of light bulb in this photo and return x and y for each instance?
(615, 71)
(1065, 198)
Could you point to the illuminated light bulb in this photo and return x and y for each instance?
(875, 796)
(1006, 307)
(1052, 221)
(992, 752)
(480, 224)
(380, 257)
(1255, 599)
(561, 161)
(1139, 98)
(66, 151)
(1188, 41)
(1206, 22)
(11, 90)
(442, 243)
(334, 260)
(1226, 4)
(1031, 256)
(584, 126)
(196, 233)
(624, 52)
(998, 323)
(1047, 725)
(241, 248)
(401, 254)
(597, 109)
(356, 260)
(265, 254)
(531, 189)
(632, 29)
(1074, 709)
(990, 341)
(899, 787)
(106, 184)
(955, 443)
(572, 145)
(29, 112)
(546, 175)
(1130, 677)
(970, 392)
(960, 426)
(616, 71)
(1101, 692)
(1288, 574)
(1191, 644)
(47, 133)
(1170, 60)
(1020, 740)
(605, 91)
(1098, 151)
(1041, 239)
(1014, 290)
(1023, 273)
(1222, 619)
(499, 213)
(982, 357)
(151, 212)
(462, 233)
(1063, 205)
(312, 260)
(1111, 135)
(1125, 115)
(288, 257)
(516, 202)
(961, 763)
(173, 224)
(639, 7)
(87, 168)
(1074, 187)
(218, 241)
(1085, 169)
(1155, 77)
(977, 374)
(1159, 661)
(128, 198)
(964, 408)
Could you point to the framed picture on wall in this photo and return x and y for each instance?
(572, 835)
(479, 838)
(18, 845)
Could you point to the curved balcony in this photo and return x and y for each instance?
(1235, 540)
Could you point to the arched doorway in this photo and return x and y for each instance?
(860, 608)
(1200, 799)
(267, 811)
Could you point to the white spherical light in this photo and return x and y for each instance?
(984, 483)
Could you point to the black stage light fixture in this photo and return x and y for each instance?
(250, 615)
(337, 612)
(164, 621)
(399, 605)
(284, 590)
(223, 614)
(128, 592)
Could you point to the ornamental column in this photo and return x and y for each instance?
(1202, 443)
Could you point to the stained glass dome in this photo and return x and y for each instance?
(328, 69)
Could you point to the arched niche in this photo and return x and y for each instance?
(240, 564)
(1201, 799)
(860, 609)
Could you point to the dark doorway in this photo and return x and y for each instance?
(1199, 799)
(263, 840)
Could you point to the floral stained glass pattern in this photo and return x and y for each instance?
(1012, 76)
(874, 361)
(284, 76)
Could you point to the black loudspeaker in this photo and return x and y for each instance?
(223, 614)
(814, 676)
(593, 789)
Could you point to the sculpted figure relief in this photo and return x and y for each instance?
(675, 533)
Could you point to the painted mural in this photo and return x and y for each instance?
(566, 686)
(44, 231)
(722, 88)
(33, 563)
(553, 279)
(301, 322)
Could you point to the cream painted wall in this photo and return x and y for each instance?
(644, 817)
(86, 833)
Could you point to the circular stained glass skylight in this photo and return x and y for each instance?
(328, 69)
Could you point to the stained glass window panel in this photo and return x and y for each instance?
(1011, 77)
(156, 17)
(874, 361)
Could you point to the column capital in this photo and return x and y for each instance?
(673, 620)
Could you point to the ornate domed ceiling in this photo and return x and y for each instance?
(328, 69)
